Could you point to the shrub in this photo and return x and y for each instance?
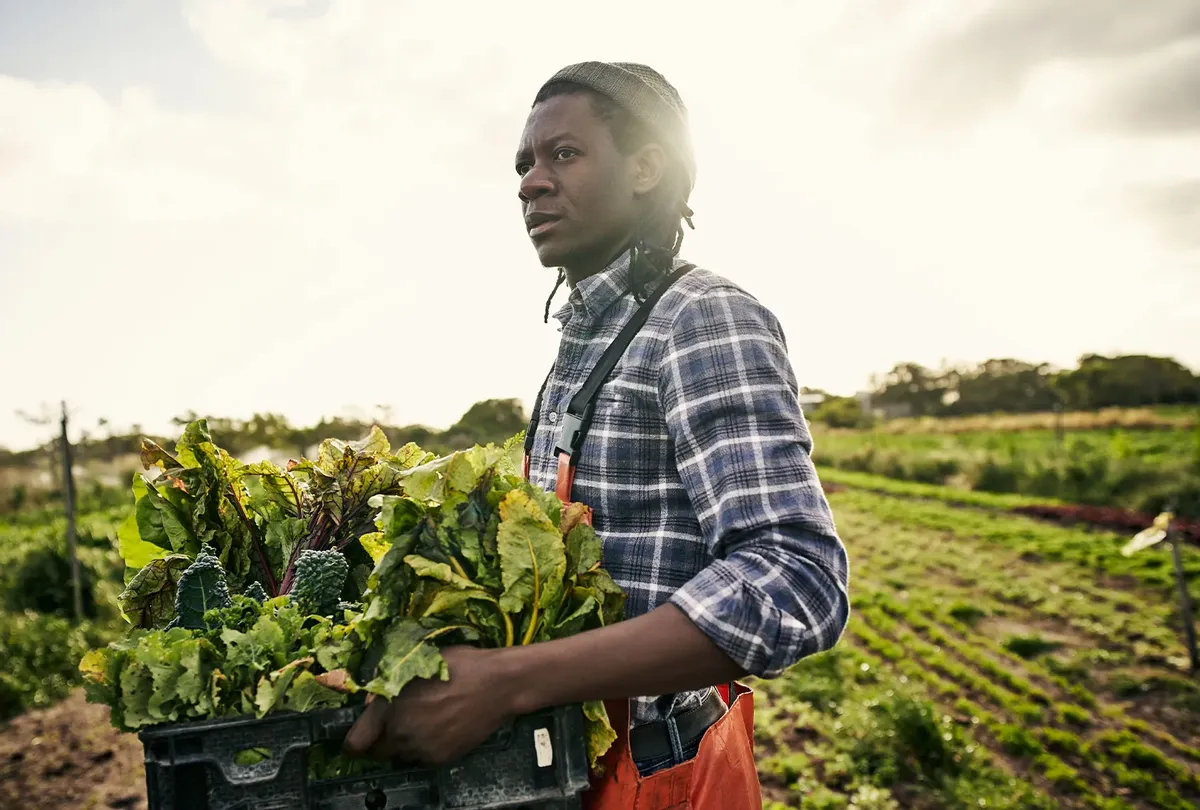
(42, 582)
(1029, 646)
(39, 659)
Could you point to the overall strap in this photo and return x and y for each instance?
(578, 418)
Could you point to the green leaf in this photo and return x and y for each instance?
(137, 687)
(195, 447)
(284, 535)
(532, 557)
(375, 544)
(149, 518)
(573, 515)
(462, 473)
(201, 588)
(261, 649)
(269, 484)
(149, 598)
(583, 549)
(599, 732)
(425, 481)
(453, 600)
(178, 535)
(133, 548)
(152, 455)
(599, 583)
(375, 443)
(442, 572)
(336, 646)
(306, 694)
(273, 686)
(320, 576)
(407, 654)
(573, 623)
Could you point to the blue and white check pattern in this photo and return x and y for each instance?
(698, 470)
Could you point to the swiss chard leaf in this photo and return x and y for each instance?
(407, 654)
(149, 598)
(533, 560)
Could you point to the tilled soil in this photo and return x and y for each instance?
(70, 756)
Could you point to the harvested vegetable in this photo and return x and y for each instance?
(477, 555)
(253, 589)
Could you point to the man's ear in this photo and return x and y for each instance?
(649, 165)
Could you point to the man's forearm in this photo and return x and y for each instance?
(659, 653)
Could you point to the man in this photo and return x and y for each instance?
(697, 468)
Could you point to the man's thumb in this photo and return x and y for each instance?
(368, 728)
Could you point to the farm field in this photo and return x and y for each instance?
(991, 661)
(1156, 417)
(1140, 469)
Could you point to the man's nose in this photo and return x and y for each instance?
(535, 183)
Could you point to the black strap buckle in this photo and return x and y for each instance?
(571, 432)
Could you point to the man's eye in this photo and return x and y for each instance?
(522, 168)
(564, 153)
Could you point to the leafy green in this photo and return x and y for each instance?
(258, 519)
(248, 658)
(201, 588)
(256, 592)
(253, 588)
(149, 598)
(479, 555)
(320, 576)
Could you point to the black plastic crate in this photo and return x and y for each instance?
(537, 761)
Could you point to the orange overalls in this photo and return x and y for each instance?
(722, 775)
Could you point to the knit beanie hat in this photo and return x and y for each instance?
(648, 96)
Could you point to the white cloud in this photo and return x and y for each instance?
(353, 238)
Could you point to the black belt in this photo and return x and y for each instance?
(652, 740)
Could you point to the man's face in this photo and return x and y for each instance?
(578, 193)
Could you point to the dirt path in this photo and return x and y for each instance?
(69, 756)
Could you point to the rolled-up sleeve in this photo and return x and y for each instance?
(776, 590)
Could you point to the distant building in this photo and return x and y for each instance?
(895, 410)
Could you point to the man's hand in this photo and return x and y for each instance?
(436, 722)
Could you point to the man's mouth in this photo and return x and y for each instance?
(538, 224)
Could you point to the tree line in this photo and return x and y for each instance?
(1002, 385)
(491, 420)
(1007, 385)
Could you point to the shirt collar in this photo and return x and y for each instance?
(596, 293)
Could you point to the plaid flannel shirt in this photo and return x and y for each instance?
(698, 471)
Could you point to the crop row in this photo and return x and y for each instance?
(921, 592)
(1090, 553)
(1116, 755)
(839, 731)
(982, 653)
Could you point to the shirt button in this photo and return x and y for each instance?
(553, 416)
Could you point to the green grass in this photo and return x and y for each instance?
(914, 489)
(1136, 469)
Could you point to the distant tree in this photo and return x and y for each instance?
(492, 420)
(1128, 381)
(841, 412)
(1003, 385)
(919, 388)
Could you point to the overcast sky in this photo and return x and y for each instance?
(232, 206)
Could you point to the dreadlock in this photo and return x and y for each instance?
(654, 247)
